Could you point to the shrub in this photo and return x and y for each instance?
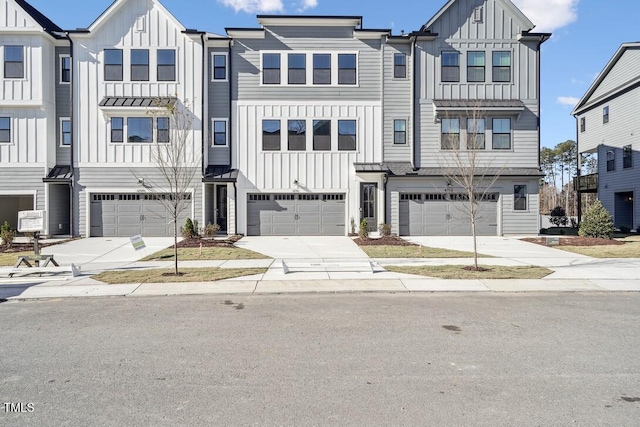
(210, 230)
(7, 234)
(597, 222)
(625, 229)
(385, 230)
(558, 217)
(363, 232)
(190, 229)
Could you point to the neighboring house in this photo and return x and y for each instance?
(607, 125)
(32, 98)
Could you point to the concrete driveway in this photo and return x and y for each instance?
(300, 247)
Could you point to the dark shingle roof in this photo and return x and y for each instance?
(48, 25)
(143, 102)
(220, 174)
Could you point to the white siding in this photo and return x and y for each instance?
(624, 71)
(397, 103)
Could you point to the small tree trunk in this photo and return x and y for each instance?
(475, 242)
(175, 242)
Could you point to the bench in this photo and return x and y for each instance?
(324, 266)
(11, 271)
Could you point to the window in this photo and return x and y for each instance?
(113, 65)
(139, 129)
(611, 161)
(627, 157)
(450, 138)
(219, 67)
(166, 65)
(5, 129)
(162, 125)
(297, 133)
(519, 197)
(399, 131)
(297, 69)
(605, 115)
(65, 132)
(13, 62)
(450, 66)
(321, 69)
(501, 66)
(346, 135)
(271, 135)
(501, 134)
(117, 129)
(271, 69)
(583, 124)
(347, 70)
(140, 65)
(399, 66)
(219, 133)
(475, 134)
(475, 66)
(65, 69)
(322, 135)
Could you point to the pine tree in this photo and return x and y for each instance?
(597, 222)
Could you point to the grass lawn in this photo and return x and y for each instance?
(631, 249)
(9, 259)
(458, 272)
(190, 275)
(385, 251)
(208, 253)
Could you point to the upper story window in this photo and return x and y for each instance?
(271, 68)
(271, 135)
(139, 129)
(113, 65)
(501, 134)
(321, 69)
(347, 69)
(627, 157)
(399, 131)
(13, 62)
(140, 65)
(219, 67)
(475, 134)
(163, 129)
(166, 65)
(297, 135)
(611, 161)
(399, 66)
(519, 197)
(65, 69)
(297, 69)
(219, 133)
(475, 67)
(501, 67)
(583, 124)
(65, 132)
(346, 135)
(117, 129)
(450, 137)
(5, 129)
(450, 66)
(605, 114)
(322, 135)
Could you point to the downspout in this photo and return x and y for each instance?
(578, 173)
(539, 70)
(412, 104)
(230, 130)
(205, 120)
(72, 185)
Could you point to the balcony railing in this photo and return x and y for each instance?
(586, 183)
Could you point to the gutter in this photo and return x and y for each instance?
(205, 120)
(230, 131)
(579, 171)
(412, 104)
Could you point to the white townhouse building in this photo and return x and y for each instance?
(606, 125)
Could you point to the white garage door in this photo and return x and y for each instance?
(296, 215)
(125, 215)
(426, 214)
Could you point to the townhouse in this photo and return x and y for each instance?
(303, 125)
(605, 125)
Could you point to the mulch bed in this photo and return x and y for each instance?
(383, 241)
(208, 242)
(576, 241)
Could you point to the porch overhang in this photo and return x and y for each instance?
(404, 170)
(371, 168)
(59, 175)
(122, 102)
(220, 174)
(446, 107)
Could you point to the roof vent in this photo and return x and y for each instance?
(477, 14)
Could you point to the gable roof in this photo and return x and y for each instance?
(507, 4)
(47, 25)
(603, 74)
(117, 4)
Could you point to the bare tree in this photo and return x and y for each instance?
(177, 160)
(469, 168)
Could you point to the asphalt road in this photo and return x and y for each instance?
(348, 359)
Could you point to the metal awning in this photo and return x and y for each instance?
(220, 174)
(404, 169)
(59, 174)
(370, 167)
(136, 102)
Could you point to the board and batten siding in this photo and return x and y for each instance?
(219, 92)
(63, 108)
(246, 60)
(161, 32)
(624, 71)
(397, 103)
(125, 180)
(31, 136)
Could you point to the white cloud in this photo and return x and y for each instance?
(568, 101)
(254, 6)
(549, 15)
(309, 4)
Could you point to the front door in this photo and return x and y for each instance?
(221, 207)
(368, 206)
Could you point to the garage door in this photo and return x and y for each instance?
(296, 215)
(425, 214)
(11, 205)
(125, 215)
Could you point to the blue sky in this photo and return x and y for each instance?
(586, 34)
